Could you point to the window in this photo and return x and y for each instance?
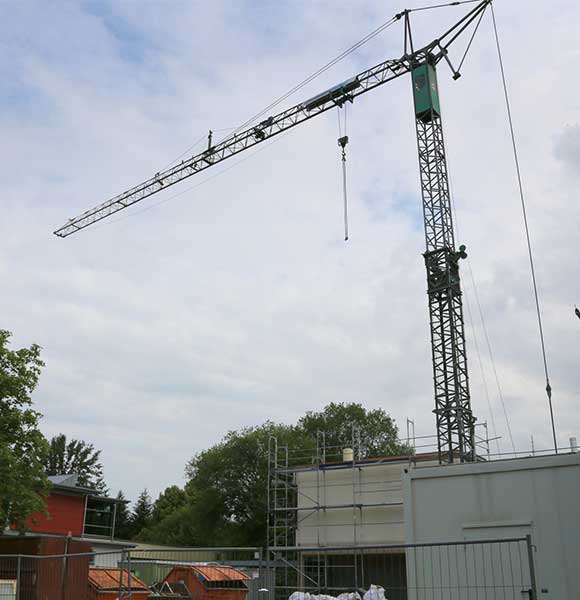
(7, 589)
(99, 517)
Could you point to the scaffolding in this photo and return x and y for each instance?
(332, 496)
(290, 504)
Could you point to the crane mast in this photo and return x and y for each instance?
(454, 418)
(453, 415)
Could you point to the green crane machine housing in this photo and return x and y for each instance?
(425, 92)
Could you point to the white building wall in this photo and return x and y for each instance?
(504, 499)
(365, 485)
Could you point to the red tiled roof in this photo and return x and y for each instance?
(106, 579)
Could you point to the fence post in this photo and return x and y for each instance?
(18, 567)
(121, 574)
(64, 567)
(129, 573)
(260, 582)
(533, 585)
(269, 579)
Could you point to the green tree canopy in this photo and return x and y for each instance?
(122, 519)
(78, 457)
(371, 433)
(142, 514)
(228, 483)
(23, 483)
(168, 502)
(169, 518)
(176, 529)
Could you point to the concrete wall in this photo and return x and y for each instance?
(504, 499)
(365, 484)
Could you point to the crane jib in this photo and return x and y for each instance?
(432, 53)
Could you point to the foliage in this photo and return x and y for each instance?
(23, 483)
(227, 484)
(122, 519)
(168, 502)
(225, 499)
(163, 517)
(346, 425)
(78, 457)
(142, 514)
(177, 528)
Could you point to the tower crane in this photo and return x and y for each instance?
(454, 418)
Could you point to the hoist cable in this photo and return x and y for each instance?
(483, 378)
(319, 71)
(491, 356)
(527, 231)
(345, 196)
(471, 323)
(342, 142)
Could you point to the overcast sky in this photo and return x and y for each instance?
(238, 301)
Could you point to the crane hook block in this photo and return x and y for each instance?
(343, 141)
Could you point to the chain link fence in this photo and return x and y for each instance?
(137, 574)
(478, 570)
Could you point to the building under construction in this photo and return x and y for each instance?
(341, 522)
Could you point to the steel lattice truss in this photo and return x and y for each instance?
(455, 422)
(236, 143)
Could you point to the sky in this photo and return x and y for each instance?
(237, 301)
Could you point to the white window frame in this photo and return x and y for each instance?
(12, 584)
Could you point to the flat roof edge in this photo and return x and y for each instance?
(514, 464)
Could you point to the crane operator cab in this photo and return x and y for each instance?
(425, 92)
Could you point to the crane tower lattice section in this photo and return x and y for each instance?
(454, 418)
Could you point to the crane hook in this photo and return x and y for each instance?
(342, 142)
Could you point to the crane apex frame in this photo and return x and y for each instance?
(454, 418)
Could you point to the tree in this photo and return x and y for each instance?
(23, 448)
(228, 485)
(373, 432)
(168, 502)
(176, 529)
(122, 518)
(78, 457)
(142, 513)
(173, 521)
